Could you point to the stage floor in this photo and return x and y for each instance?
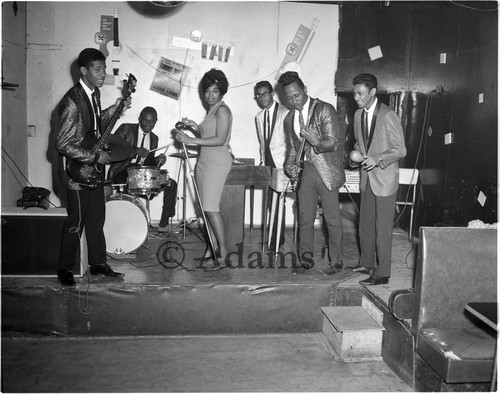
(171, 259)
(169, 326)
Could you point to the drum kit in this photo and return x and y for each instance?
(127, 217)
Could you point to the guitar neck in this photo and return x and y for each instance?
(116, 41)
(111, 124)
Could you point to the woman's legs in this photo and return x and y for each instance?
(216, 222)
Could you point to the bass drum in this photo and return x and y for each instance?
(126, 224)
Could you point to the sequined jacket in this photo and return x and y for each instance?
(75, 120)
(328, 157)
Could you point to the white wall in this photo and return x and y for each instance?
(14, 132)
(258, 31)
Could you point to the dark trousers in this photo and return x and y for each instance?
(169, 201)
(376, 222)
(312, 189)
(86, 210)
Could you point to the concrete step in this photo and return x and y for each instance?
(352, 333)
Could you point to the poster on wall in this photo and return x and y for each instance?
(169, 78)
(296, 50)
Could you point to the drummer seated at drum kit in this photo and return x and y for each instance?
(140, 174)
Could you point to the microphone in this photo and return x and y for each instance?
(180, 125)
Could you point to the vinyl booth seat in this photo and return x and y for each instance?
(455, 266)
(458, 354)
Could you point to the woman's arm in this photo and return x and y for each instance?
(223, 122)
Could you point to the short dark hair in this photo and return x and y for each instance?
(89, 55)
(290, 77)
(215, 77)
(263, 84)
(369, 80)
(149, 110)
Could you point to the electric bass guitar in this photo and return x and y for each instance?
(90, 176)
(299, 160)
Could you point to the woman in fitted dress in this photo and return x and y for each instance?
(215, 158)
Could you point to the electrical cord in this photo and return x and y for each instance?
(422, 136)
(22, 174)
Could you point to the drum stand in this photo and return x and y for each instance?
(205, 220)
(184, 223)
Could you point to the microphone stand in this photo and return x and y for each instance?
(205, 220)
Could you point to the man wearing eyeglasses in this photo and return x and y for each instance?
(142, 139)
(269, 122)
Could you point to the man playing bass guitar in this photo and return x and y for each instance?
(312, 129)
(79, 115)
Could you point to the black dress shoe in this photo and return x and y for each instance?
(375, 280)
(214, 265)
(208, 256)
(333, 269)
(104, 269)
(360, 269)
(66, 277)
(301, 269)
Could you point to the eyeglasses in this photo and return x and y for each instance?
(263, 95)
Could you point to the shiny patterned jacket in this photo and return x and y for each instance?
(328, 157)
(75, 120)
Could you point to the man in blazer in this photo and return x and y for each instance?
(269, 123)
(380, 139)
(142, 140)
(272, 141)
(315, 123)
(80, 123)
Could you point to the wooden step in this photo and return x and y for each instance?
(352, 333)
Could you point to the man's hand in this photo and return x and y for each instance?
(353, 164)
(127, 104)
(161, 159)
(104, 157)
(141, 152)
(310, 135)
(293, 172)
(369, 163)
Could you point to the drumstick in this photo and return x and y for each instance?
(161, 147)
(165, 151)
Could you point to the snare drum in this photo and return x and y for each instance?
(126, 225)
(164, 179)
(143, 180)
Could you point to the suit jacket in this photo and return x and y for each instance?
(328, 157)
(277, 145)
(387, 147)
(75, 121)
(130, 132)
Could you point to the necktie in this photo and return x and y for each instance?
(302, 125)
(266, 126)
(138, 160)
(364, 127)
(97, 128)
(301, 120)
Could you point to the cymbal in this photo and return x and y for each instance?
(182, 155)
(120, 149)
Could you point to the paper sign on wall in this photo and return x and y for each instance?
(169, 78)
(296, 49)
